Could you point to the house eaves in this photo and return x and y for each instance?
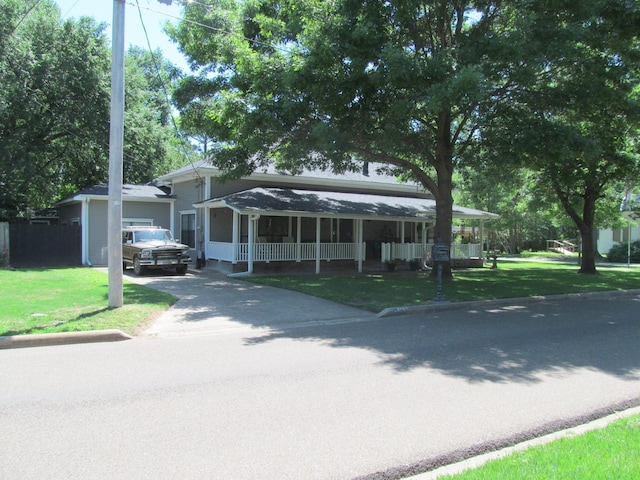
(130, 193)
(347, 181)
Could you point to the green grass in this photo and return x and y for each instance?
(376, 291)
(71, 300)
(609, 453)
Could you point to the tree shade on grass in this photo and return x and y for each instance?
(72, 300)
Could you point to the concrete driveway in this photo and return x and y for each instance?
(211, 302)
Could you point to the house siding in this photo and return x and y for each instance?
(607, 238)
(159, 212)
(70, 213)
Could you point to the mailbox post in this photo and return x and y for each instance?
(440, 253)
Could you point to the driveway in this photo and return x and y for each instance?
(211, 302)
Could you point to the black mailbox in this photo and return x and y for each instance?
(440, 252)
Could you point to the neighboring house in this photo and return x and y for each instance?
(314, 216)
(141, 205)
(609, 237)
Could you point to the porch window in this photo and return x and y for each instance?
(188, 229)
(273, 229)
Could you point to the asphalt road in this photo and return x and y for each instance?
(379, 398)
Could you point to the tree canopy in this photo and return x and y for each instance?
(420, 86)
(576, 121)
(333, 84)
(54, 99)
(54, 108)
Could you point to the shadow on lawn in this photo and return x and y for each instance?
(513, 343)
(43, 328)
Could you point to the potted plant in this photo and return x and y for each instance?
(390, 264)
(414, 264)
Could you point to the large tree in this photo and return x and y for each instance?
(152, 144)
(54, 94)
(332, 84)
(574, 122)
(54, 108)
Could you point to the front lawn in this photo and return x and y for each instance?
(71, 300)
(377, 291)
(608, 453)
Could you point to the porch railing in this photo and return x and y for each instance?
(282, 252)
(410, 251)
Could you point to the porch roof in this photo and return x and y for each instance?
(280, 201)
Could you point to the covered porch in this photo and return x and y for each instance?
(264, 225)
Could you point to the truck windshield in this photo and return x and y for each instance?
(147, 235)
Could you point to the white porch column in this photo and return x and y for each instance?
(402, 231)
(251, 220)
(299, 240)
(318, 245)
(84, 225)
(207, 230)
(481, 238)
(235, 236)
(359, 237)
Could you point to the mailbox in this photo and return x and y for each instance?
(440, 252)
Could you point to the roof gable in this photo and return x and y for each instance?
(138, 192)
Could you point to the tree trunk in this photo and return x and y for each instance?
(444, 198)
(444, 215)
(588, 263)
(584, 224)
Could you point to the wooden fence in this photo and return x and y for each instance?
(4, 244)
(45, 245)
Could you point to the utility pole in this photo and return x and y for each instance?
(116, 145)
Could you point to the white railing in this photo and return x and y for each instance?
(561, 246)
(409, 251)
(282, 252)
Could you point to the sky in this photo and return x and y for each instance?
(154, 15)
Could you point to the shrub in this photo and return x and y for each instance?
(618, 253)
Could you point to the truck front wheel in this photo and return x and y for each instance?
(137, 268)
(181, 269)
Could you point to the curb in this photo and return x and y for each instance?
(434, 306)
(480, 460)
(65, 338)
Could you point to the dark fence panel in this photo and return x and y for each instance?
(45, 245)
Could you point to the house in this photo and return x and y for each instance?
(608, 237)
(273, 220)
(312, 217)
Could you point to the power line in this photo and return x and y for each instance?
(163, 86)
(24, 17)
(209, 27)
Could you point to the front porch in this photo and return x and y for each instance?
(266, 226)
(291, 256)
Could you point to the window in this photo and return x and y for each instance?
(188, 229)
(137, 222)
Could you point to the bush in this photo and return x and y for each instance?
(618, 253)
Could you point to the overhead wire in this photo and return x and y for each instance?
(34, 98)
(164, 87)
(24, 17)
(210, 27)
(167, 15)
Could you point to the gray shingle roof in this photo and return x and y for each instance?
(128, 191)
(316, 203)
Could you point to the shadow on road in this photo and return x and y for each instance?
(516, 343)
